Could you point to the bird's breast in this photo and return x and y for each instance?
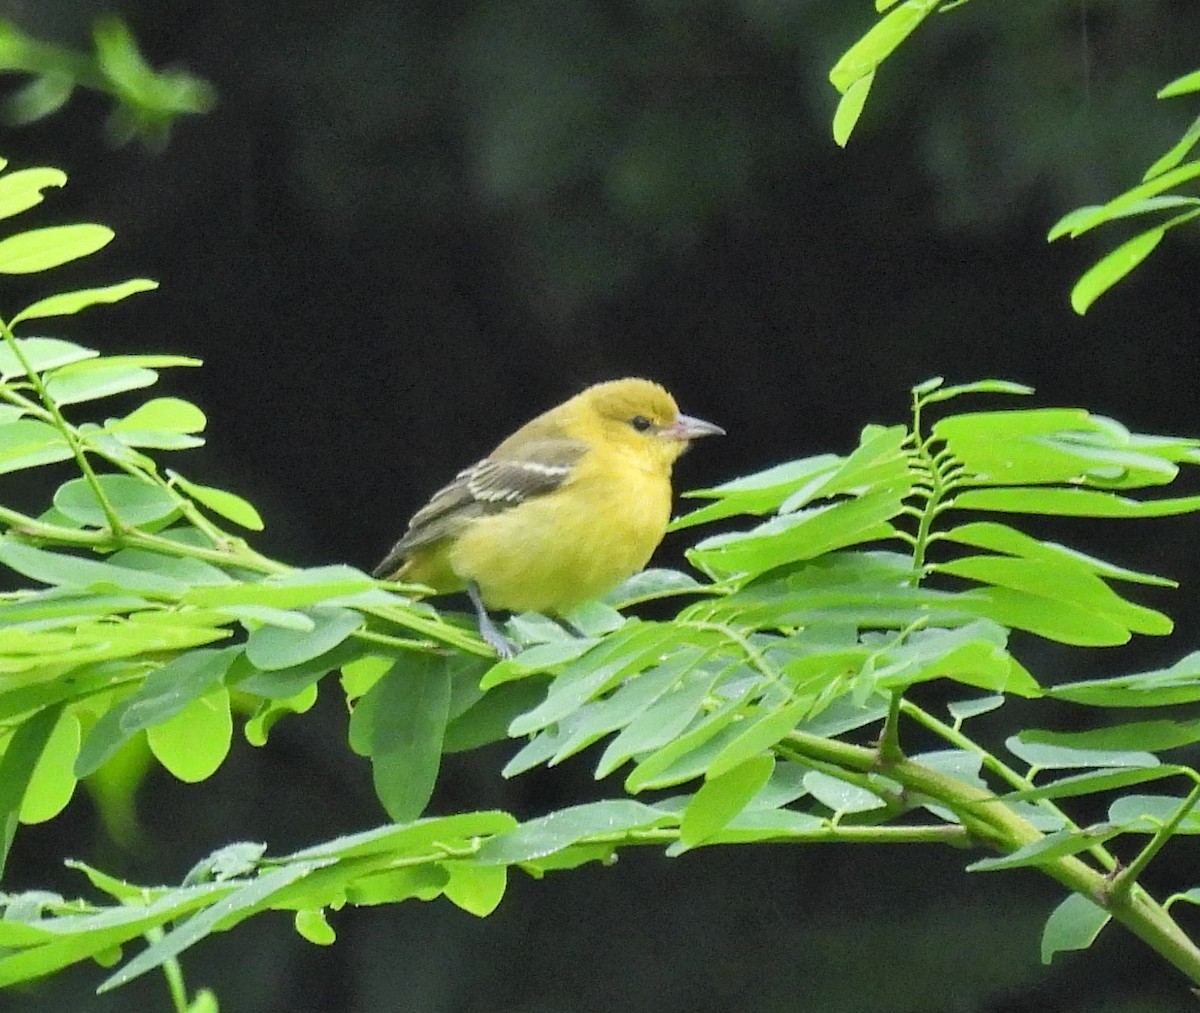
(554, 552)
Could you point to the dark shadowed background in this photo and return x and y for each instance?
(408, 227)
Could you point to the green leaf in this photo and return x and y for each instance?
(411, 839)
(42, 249)
(962, 710)
(1070, 585)
(42, 354)
(26, 443)
(756, 494)
(166, 692)
(225, 504)
(1161, 687)
(1147, 736)
(758, 735)
(1112, 267)
(86, 574)
(1181, 85)
(488, 719)
(1049, 445)
(652, 584)
(632, 649)
(400, 724)
(97, 378)
(68, 303)
(1071, 503)
(977, 387)
(1148, 813)
(136, 501)
(38, 98)
(17, 765)
(1177, 153)
(22, 190)
(259, 726)
(1134, 196)
(840, 796)
(274, 647)
(1002, 538)
(849, 109)
(167, 414)
(1051, 756)
(231, 909)
(194, 743)
(722, 797)
(477, 889)
(313, 926)
(1096, 781)
(884, 36)
(295, 589)
(611, 818)
(1073, 925)
(799, 536)
(1064, 622)
(53, 781)
(630, 700)
(1047, 849)
(662, 721)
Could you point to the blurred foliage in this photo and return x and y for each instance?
(146, 103)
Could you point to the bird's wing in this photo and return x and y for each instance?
(487, 487)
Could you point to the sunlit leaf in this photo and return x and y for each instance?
(195, 742)
(42, 249)
(314, 926)
(41, 354)
(22, 189)
(1178, 151)
(885, 35)
(477, 889)
(977, 387)
(17, 765)
(1112, 267)
(1181, 85)
(226, 504)
(68, 303)
(53, 781)
(722, 797)
(850, 107)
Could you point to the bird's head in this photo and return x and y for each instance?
(641, 417)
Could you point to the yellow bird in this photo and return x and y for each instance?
(561, 512)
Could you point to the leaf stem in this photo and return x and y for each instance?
(1123, 881)
(70, 436)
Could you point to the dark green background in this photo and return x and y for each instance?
(407, 227)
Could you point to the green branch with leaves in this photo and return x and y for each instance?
(777, 705)
(854, 73)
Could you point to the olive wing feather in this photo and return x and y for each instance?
(488, 487)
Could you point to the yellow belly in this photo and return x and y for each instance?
(552, 553)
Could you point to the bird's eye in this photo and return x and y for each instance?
(640, 423)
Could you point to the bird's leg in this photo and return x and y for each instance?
(490, 632)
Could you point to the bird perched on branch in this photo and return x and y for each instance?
(562, 511)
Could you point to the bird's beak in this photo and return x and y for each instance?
(687, 428)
